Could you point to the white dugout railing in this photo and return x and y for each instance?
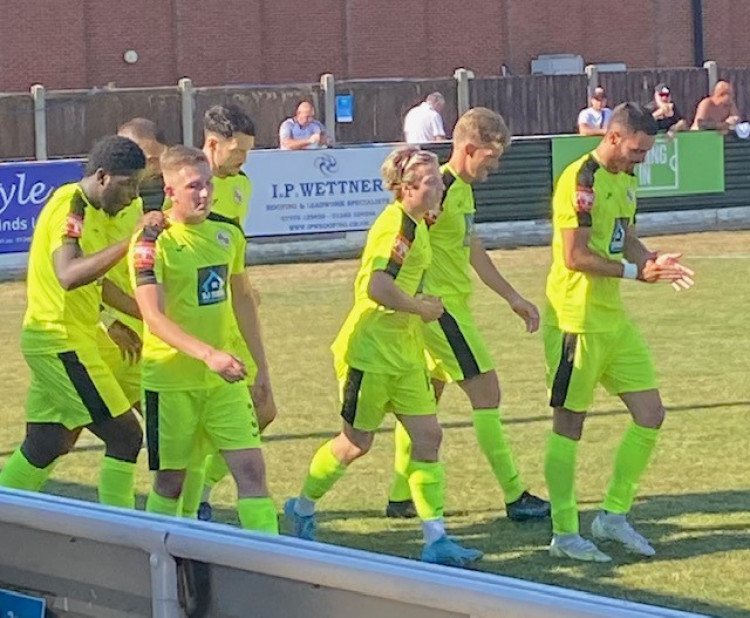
(89, 560)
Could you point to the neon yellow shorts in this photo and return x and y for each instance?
(128, 375)
(180, 424)
(366, 397)
(456, 350)
(620, 360)
(73, 388)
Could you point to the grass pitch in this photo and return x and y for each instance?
(695, 498)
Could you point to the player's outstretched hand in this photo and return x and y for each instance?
(430, 308)
(227, 366)
(667, 268)
(527, 311)
(127, 340)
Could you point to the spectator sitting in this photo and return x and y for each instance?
(718, 111)
(423, 123)
(668, 117)
(594, 120)
(302, 131)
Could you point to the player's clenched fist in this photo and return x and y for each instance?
(226, 365)
(430, 308)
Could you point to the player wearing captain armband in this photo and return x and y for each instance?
(193, 293)
(588, 336)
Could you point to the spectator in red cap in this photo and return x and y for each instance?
(668, 117)
(594, 120)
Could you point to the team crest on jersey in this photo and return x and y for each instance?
(617, 243)
(212, 284)
(73, 225)
(223, 238)
(400, 249)
(631, 195)
(238, 196)
(144, 254)
(584, 199)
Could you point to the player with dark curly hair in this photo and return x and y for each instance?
(71, 386)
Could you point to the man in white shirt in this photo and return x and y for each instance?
(423, 123)
(302, 131)
(594, 120)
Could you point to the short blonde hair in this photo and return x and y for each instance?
(482, 126)
(175, 158)
(400, 167)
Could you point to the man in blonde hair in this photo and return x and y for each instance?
(456, 347)
(192, 291)
(379, 358)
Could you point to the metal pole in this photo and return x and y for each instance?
(165, 602)
(713, 74)
(188, 110)
(593, 73)
(328, 85)
(38, 93)
(463, 96)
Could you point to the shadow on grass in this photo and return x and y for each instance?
(519, 549)
(541, 418)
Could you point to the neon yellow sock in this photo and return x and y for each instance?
(117, 483)
(494, 445)
(560, 472)
(19, 473)
(192, 490)
(258, 514)
(427, 483)
(161, 505)
(399, 490)
(216, 469)
(631, 460)
(324, 471)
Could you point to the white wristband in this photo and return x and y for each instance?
(629, 270)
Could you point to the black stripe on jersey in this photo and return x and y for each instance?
(564, 371)
(222, 219)
(406, 236)
(585, 181)
(78, 204)
(465, 357)
(145, 254)
(352, 387)
(152, 429)
(85, 387)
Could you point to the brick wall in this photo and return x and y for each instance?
(80, 43)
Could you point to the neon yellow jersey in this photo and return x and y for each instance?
(57, 320)
(374, 338)
(232, 197)
(123, 226)
(588, 195)
(450, 274)
(193, 264)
